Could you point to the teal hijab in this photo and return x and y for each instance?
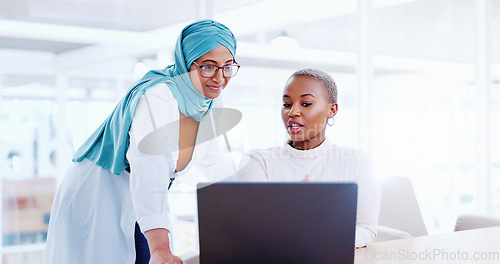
(108, 145)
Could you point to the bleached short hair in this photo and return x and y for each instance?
(329, 83)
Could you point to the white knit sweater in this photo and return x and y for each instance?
(326, 162)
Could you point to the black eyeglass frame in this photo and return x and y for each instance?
(218, 68)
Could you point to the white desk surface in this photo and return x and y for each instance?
(470, 246)
(478, 246)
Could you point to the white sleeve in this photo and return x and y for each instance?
(368, 202)
(251, 169)
(152, 155)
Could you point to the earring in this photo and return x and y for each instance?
(328, 121)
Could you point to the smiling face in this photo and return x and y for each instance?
(211, 87)
(305, 111)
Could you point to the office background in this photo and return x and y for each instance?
(418, 81)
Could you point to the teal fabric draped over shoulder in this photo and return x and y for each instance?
(108, 145)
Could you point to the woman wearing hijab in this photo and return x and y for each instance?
(309, 105)
(112, 205)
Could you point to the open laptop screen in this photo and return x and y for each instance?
(306, 222)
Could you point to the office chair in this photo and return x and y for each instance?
(400, 215)
(473, 221)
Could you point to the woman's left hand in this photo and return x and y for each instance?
(164, 257)
(159, 247)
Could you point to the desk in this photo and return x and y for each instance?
(479, 246)
(470, 246)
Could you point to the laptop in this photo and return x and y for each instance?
(303, 222)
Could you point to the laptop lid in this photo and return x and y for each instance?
(302, 222)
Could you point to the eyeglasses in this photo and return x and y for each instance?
(209, 71)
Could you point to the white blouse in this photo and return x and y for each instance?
(323, 163)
